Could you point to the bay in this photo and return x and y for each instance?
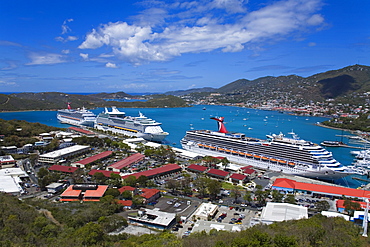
(252, 122)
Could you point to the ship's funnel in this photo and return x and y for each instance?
(221, 125)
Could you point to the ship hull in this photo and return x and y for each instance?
(154, 137)
(319, 173)
(74, 121)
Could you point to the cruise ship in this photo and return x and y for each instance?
(289, 155)
(141, 126)
(79, 117)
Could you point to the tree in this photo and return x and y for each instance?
(225, 162)
(201, 184)
(236, 193)
(248, 196)
(290, 198)
(277, 196)
(89, 234)
(351, 207)
(142, 180)
(127, 195)
(214, 187)
(131, 181)
(113, 192)
(322, 205)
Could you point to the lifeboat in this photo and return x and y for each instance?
(241, 153)
(227, 150)
(257, 156)
(291, 164)
(234, 152)
(273, 160)
(283, 162)
(249, 155)
(212, 147)
(265, 158)
(200, 145)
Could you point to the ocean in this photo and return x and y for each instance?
(252, 122)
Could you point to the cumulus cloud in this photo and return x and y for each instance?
(223, 25)
(111, 65)
(84, 56)
(45, 58)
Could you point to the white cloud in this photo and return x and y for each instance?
(45, 58)
(111, 65)
(194, 28)
(65, 28)
(84, 56)
(66, 51)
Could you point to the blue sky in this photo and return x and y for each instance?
(158, 46)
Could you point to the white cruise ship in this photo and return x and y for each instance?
(141, 126)
(78, 117)
(278, 153)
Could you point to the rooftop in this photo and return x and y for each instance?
(104, 172)
(127, 161)
(197, 167)
(60, 168)
(155, 171)
(218, 172)
(319, 188)
(94, 158)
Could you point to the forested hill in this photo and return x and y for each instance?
(345, 82)
(57, 100)
(43, 223)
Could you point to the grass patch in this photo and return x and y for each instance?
(229, 186)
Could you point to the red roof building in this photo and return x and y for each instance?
(341, 207)
(150, 195)
(104, 172)
(129, 161)
(196, 168)
(81, 131)
(156, 172)
(217, 173)
(126, 203)
(84, 192)
(236, 177)
(60, 168)
(124, 188)
(293, 186)
(89, 160)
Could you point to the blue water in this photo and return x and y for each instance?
(254, 123)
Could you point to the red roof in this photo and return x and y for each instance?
(105, 173)
(340, 204)
(249, 171)
(70, 192)
(86, 132)
(219, 157)
(218, 172)
(324, 189)
(156, 171)
(197, 168)
(238, 176)
(127, 161)
(124, 188)
(148, 193)
(96, 193)
(94, 158)
(127, 203)
(61, 168)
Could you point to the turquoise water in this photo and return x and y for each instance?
(254, 123)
